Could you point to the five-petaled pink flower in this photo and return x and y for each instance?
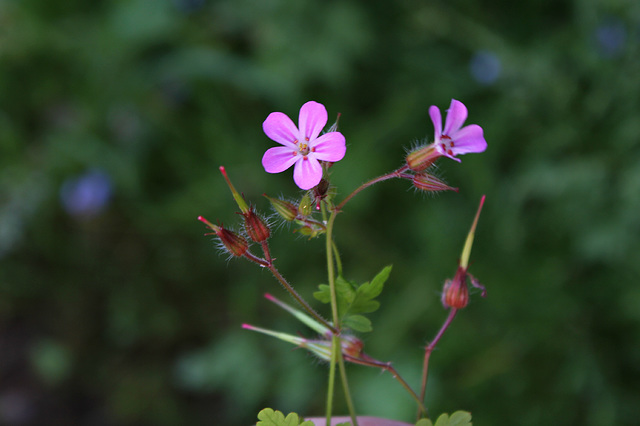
(301, 145)
(455, 139)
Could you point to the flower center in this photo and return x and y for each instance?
(303, 149)
(446, 144)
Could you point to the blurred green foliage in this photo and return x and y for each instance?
(114, 116)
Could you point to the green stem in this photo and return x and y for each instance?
(336, 253)
(336, 347)
(332, 378)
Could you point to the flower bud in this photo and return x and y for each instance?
(351, 346)
(429, 183)
(256, 228)
(456, 293)
(232, 242)
(305, 207)
(285, 209)
(421, 158)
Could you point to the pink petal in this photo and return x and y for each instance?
(469, 139)
(279, 159)
(280, 128)
(436, 119)
(456, 115)
(329, 147)
(312, 119)
(307, 173)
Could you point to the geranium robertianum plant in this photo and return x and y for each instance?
(312, 155)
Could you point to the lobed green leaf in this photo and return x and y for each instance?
(269, 417)
(358, 323)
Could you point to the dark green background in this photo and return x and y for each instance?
(129, 316)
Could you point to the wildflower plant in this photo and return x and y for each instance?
(312, 154)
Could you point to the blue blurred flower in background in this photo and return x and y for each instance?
(87, 195)
(611, 37)
(485, 67)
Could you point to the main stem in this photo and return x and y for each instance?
(336, 347)
(430, 347)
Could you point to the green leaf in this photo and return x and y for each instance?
(460, 418)
(424, 422)
(363, 301)
(358, 323)
(355, 299)
(324, 294)
(268, 417)
(378, 281)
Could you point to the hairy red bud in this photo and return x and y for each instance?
(257, 230)
(456, 293)
(429, 183)
(422, 158)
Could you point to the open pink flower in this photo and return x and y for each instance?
(455, 139)
(302, 146)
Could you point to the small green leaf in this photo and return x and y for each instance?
(363, 302)
(443, 420)
(424, 422)
(324, 294)
(358, 323)
(345, 291)
(460, 418)
(268, 417)
(377, 283)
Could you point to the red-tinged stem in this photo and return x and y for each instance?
(266, 251)
(252, 257)
(394, 174)
(365, 360)
(430, 347)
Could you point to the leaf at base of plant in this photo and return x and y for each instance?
(269, 417)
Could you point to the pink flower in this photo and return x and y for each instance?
(302, 147)
(455, 139)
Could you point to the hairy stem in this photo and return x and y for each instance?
(299, 299)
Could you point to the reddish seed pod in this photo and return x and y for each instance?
(257, 230)
(234, 243)
(429, 183)
(456, 293)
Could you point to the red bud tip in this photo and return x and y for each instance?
(269, 297)
(247, 327)
(236, 196)
(206, 222)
